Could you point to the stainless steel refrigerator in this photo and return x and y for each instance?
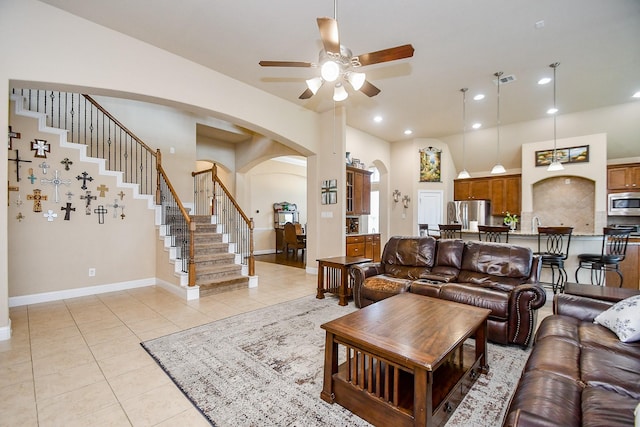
(466, 212)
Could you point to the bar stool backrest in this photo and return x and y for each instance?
(450, 231)
(557, 240)
(614, 241)
(493, 233)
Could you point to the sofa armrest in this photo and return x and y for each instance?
(359, 273)
(524, 302)
(581, 308)
(522, 418)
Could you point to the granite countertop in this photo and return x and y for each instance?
(532, 234)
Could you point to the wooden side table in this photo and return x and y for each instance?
(334, 277)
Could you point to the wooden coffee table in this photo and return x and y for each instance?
(404, 359)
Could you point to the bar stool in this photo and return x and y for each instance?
(614, 249)
(554, 253)
(449, 231)
(493, 233)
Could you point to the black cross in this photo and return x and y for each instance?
(88, 197)
(66, 162)
(12, 135)
(18, 160)
(100, 211)
(67, 211)
(85, 177)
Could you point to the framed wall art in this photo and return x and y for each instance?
(329, 192)
(579, 154)
(430, 165)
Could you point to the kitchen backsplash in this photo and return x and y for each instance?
(565, 201)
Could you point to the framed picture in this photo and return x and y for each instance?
(329, 192)
(430, 165)
(578, 154)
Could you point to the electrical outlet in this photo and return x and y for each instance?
(92, 272)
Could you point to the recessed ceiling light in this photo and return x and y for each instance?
(476, 125)
(478, 97)
(544, 80)
(377, 119)
(408, 132)
(552, 110)
(636, 95)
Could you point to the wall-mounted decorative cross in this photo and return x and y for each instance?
(102, 189)
(50, 215)
(11, 188)
(69, 195)
(66, 162)
(84, 178)
(121, 194)
(88, 197)
(19, 217)
(41, 147)
(31, 176)
(12, 135)
(37, 198)
(67, 211)
(115, 207)
(56, 181)
(44, 166)
(100, 211)
(18, 160)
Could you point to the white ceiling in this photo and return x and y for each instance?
(458, 43)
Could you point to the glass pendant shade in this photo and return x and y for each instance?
(463, 174)
(314, 84)
(330, 71)
(555, 166)
(356, 80)
(498, 168)
(339, 93)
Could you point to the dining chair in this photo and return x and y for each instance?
(291, 240)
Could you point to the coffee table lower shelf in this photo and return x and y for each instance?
(383, 392)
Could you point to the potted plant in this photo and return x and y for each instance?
(511, 220)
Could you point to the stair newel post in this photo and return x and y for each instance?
(192, 253)
(158, 168)
(252, 260)
(214, 172)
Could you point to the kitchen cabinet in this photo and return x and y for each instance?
(472, 189)
(364, 245)
(505, 195)
(358, 191)
(630, 267)
(623, 177)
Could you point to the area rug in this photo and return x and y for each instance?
(265, 368)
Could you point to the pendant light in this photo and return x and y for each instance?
(463, 173)
(498, 168)
(555, 163)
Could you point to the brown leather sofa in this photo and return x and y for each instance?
(579, 373)
(500, 277)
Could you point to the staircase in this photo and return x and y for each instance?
(216, 267)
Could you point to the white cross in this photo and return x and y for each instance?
(57, 182)
(44, 167)
(50, 215)
(41, 147)
(115, 207)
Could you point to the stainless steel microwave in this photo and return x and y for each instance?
(626, 204)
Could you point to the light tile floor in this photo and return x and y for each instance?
(78, 362)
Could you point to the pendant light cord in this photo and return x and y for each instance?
(498, 75)
(464, 127)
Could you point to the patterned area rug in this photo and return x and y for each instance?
(265, 368)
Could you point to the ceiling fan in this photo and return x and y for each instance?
(337, 63)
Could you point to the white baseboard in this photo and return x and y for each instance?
(5, 332)
(187, 292)
(79, 292)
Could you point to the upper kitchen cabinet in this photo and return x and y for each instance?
(505, 195)
(623, 177)
(472, 189)
(358, 191)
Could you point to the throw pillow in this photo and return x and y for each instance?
(623, 318)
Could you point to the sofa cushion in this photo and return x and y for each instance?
(496, 301)
(606, 369)
(556, 355)
(605, 408)
(408, 257)
(623, 318)
(382, 286)
(448, 258)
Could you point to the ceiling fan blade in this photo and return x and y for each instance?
(386, 55)
(306, 94)
(369, 89)
(285, 64)
(329, 34)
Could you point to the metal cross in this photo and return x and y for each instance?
(121, 194)
(84, 178)
(44, 166)
(56, 181)
(100, 211)
(18, 160)
(31, 176)
(69, 194)
(115, 207)
(66, 162)
(12, 135)
(67, 211)
(41, 147)
(20, 217)
(88, 197)
(102, 189)
(50, 215)
(37, 198)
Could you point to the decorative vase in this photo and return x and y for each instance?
(513, 225)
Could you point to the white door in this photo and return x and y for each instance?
(430, 207)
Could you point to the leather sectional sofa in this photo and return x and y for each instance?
(579, 373)
(500, 277)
